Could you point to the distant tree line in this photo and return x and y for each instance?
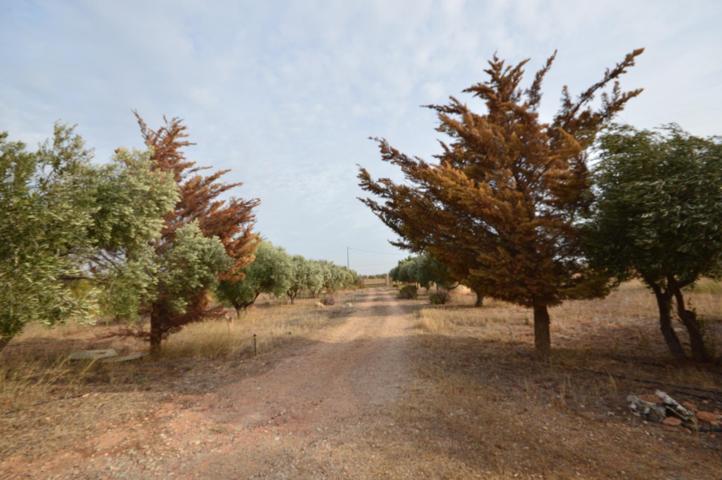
(427, 271)
(512, 208)
(275, 272)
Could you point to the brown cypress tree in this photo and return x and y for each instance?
(200, 201)
(505, 194)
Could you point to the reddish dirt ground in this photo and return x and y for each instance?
(369, 397)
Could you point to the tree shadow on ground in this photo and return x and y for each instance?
(491, 406)
(469, 406)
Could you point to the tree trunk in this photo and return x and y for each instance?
(694, 329)
(542, 336)
(156, 331)
(479, 299)
(238, 312)
(4, 342)
(664, 302)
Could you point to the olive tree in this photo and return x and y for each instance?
(317, 277)
(422, 269)
(271, 272)
(659, 217)
(405, 271)
(305, 276)
(64, 220)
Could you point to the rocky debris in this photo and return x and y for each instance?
(93, 354)
(650, 411)
(675, 408)
(672, 421)
(713, 418)
(662, 408)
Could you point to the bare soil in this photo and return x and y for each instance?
(375, 394)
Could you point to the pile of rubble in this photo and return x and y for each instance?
(661, 408)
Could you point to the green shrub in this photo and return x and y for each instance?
(439, 297)
(408, 292)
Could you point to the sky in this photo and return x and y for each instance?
(287, 93)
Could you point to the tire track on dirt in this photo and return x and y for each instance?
(283, 422)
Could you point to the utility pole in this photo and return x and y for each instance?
(348, 264)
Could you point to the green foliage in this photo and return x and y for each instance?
(276, 273)
(404, 271)
(335, 277)
(408, 292)
(431, 271)
(64, 221)
(271, 272)
(40, 217)
(130, 203)
(659, 211)
(191, 265)
(659, 216)
(422, 269)
(315, 277)
(331, 275)
(347, 278)
(306, 276)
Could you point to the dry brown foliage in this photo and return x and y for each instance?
(500, 206)
(230, 220)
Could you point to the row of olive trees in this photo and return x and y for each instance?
(426, 270)
(143, 235)
(422, 269)
(277, 273)
(512, 207)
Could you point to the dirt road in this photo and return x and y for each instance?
(374, 394)
(299, 419)
(284, 419)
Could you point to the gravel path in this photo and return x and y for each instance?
(295, 420)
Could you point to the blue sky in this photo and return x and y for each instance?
(286, 94)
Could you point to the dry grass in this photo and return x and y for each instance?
(497, 412)
(496, 318)
(488, 410)
(627, 315)
(272, 325)
(604, 342)
(35, 367)
(30, 384)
